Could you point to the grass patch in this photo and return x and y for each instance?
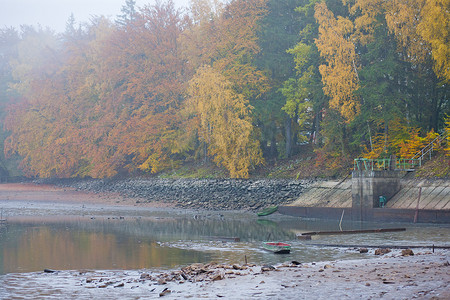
(437, 167)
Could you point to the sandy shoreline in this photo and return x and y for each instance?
(50, 193)
(392, 276)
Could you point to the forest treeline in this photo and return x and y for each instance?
(238, 82)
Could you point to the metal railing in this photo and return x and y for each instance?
(428, 149)
(364, 164)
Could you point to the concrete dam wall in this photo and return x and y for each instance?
(359, 196)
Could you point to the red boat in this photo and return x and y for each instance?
(277, 247)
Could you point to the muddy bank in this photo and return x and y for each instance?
(424, 275)
(208, 194)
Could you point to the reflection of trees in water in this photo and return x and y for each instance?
(191, 228)
(134, 243)
(33, 248)
(121, 244)
(167, 228)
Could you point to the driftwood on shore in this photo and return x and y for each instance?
(353, 231)
(224, 238)
(383, 246)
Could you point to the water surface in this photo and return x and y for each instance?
(117, 239)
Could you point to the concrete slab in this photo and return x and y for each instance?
(446, 206)
(328, 184)
(441, 204)
(326, 194)
(339, 198)
(434, 198)
(398, 197)
(405, 200)
(444, 203)
(427, 194)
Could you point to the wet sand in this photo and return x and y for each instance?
(391, 276)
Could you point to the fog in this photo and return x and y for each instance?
(55, 13)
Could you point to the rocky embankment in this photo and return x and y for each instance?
(210, 194)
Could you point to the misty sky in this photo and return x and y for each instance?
(55, 13)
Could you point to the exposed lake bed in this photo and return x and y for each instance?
(422, 276)
(98, 232)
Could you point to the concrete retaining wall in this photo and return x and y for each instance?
(327, 199)
(435, 195)
(376, 215)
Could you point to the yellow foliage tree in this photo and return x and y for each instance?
(378, 147)
(339, 75)
(434, 28)
(447, 130)
(225, 37)
(409, 147)
(366, 21)
(224, 122)
(402, 18)
(401, 140)
(421, 27)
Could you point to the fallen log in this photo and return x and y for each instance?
(382, 246)
(353, 231)
(224, 238)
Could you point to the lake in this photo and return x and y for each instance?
(117, 238)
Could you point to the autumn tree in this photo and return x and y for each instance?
(224, 38)
(402, 19)
(420, 27)
(142, 93)
(37, 125)
(434, 28)
(402, 140)
(339, 74)
(105, 104)
(380, 76)
(9, 41)
(447, 131)
(224, 122)
(144, 77)
(388, 78)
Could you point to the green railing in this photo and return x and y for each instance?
(364, 164)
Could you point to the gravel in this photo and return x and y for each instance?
(209, 194)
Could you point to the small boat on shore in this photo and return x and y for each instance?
(267, 211)
(277, 247)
